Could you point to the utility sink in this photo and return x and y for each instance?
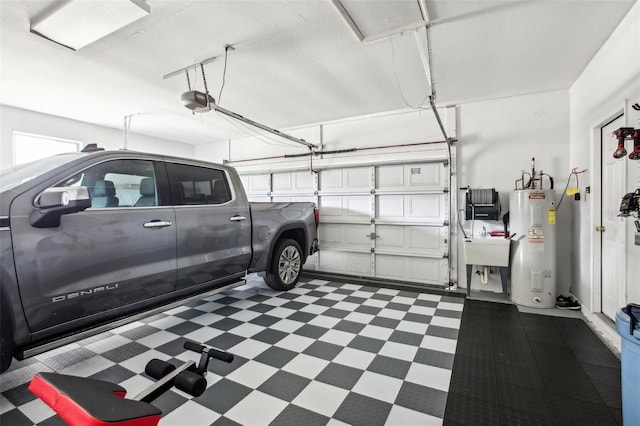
(489, 251)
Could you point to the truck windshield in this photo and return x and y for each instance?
(20, 173)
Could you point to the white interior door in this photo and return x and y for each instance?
(614, 238)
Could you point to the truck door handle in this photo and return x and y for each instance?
(237, 218)
(157, 224)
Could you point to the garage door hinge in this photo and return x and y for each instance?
(445, 256)
(446, 164)
(373, 191)
(373, 251)
(445, 190)
(373, 221)
(445, 223)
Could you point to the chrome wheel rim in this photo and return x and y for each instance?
(289, 265)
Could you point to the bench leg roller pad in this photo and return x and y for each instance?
(89, 402)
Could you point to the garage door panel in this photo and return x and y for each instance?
(348, 208)
(295, 181)
(425, 240)
(345, 262)
(297, 198)
(345, 179)
(427, 208)
(411, 176)
(349, 237)
(257, 183)
(414, 269)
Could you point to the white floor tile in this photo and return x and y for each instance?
(111, 342)
(404, 300)
(337, 337)
(157, 339)
(247, 330)
(399, 351)
(346, 306)
(359, 317)
(88, 367)
(256, 409)
(203, 334)
(354, 358)
(451, 306)
(288, 326)
(167, 322)
(296, 343)
(189, 413)
(306, 366)
(326, 322)
(413, 327)
(439, 344)
(378, 386)
(406, 417)
(136, 384)
(5, 405)
(252, 374)
(376, 332)
(422, 310)
(245, 315)
(281, 312)
(392, 313)
(207, 319)
(446, 322)
(314, 309)
(37, 411)
(428, 375)
(249, 348)
(429, 296)
(321, 398)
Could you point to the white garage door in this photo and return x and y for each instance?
(385, 221)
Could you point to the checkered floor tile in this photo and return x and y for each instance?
(322, 353)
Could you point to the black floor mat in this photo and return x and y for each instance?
(512, 368)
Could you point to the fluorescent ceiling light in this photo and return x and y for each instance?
(78, 23)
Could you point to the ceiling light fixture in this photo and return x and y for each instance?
(77, 23)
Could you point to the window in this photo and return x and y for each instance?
(28, 147)
(119, 183)
(193, 185)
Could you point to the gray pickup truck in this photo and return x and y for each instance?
(92, 239)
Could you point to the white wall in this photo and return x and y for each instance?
(16, 119)
(598, 94)
(498, 138)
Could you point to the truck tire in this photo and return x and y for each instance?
(6, 343)
(286, 265)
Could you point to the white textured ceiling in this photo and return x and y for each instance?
(295, 62)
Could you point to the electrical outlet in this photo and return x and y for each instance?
(576, 196)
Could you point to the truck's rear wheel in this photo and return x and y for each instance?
(286, 265)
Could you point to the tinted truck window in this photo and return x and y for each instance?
(193, 185)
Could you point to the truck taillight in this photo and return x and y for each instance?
(317, 215)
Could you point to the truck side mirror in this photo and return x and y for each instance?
(52, 203)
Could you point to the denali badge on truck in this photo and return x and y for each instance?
(83, 293)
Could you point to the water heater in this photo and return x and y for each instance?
(532, 217)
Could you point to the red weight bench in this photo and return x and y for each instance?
(89, 402)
